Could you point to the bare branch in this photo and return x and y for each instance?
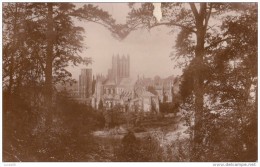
(210, 27)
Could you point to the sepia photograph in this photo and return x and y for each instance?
(130, 82)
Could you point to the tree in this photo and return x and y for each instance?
(17, 68)
(226, 84)
(129, 148)
(94, 83)
(232, 83)
(193, 22)
(164, 95)
(44, 39)
(42, 26)
(190, 21)
(39, 41)
(100, 105)
(49, 56)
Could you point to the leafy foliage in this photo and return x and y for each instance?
(218, 85)
(230, 90)
(25, 40)
(39, 41)
(219, 77)
(133, 149)
(68, 140)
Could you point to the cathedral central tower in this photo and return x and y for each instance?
(120, 67)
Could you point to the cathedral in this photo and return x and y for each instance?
(119, 88)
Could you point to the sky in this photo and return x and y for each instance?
(149, 51)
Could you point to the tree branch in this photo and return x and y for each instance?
(208, 16)
(93, 21)
(174, 24)
(217, 42)
(194, 10)
(203, 7)
(210, 27)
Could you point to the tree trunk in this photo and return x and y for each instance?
(48, 69)
(198, 86)
(12, 52)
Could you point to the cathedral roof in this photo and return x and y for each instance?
(110, 82)
(147, 94)
(141, 92)
(126, 82)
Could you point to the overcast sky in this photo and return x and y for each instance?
(149, 51)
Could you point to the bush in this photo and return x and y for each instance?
(66, 138)
(133, 149)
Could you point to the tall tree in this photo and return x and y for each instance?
(12, 41)
(192, 43)
(49, 56)
(44, 40)
(232, 84)
(190, 21)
